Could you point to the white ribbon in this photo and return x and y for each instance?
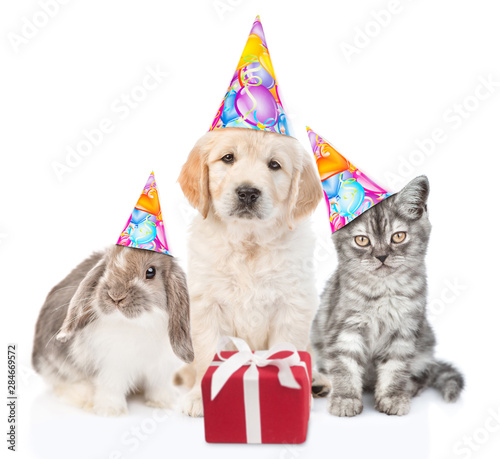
(244, 357)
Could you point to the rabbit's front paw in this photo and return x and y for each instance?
(160, 397)
(192, 404)
(165, 403)
(110, 410)
(159, 401)
(109, 404)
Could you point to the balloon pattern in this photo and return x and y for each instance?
(348, 191)
(252, 100)
(145, 228)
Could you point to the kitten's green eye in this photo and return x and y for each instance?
(398, 237)
(362, 241)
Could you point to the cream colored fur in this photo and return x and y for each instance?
(249, 277)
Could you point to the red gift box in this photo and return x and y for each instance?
(261, 397)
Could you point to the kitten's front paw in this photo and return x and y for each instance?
(192, 404)
(398, 405)
(110, 410)
(344, 406)
(320, 385)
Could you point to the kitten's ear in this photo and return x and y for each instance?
(412, 199)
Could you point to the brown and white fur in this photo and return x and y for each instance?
(250, 243)
(116, 324)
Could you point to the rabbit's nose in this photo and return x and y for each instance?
(116, 297)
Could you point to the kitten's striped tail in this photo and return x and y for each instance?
(447, 380)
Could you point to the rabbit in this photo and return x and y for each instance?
(102, 332)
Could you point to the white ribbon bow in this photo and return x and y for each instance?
(244, 356)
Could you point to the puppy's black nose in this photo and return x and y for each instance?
(247, 195)
(382, 258)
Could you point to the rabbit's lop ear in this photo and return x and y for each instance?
(80, 307)
(179, 327)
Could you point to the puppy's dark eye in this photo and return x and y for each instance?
(150, 272)
(228, 159)
(274, 165)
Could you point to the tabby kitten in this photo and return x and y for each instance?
(371, 331)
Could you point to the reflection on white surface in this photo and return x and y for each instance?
(56, 429)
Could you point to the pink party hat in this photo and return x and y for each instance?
(252, 99)
(348, 191)
(145, 228)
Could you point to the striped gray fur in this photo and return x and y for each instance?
(371, 331)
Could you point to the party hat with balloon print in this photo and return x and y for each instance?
(145, 228)
(252, 99)
(348, 191)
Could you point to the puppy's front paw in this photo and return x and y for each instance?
(398, 405)
(344, 406)
(320, 385)
(192, 404)
(110, 410)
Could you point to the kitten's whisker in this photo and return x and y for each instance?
(63, 288)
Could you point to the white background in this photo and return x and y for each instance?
(401, 85)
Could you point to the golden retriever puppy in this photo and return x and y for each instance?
(250, 248)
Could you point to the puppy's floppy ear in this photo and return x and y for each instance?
(193, 178)
(179, 328)
(305, 192)
(412, 199)
(80, 307)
